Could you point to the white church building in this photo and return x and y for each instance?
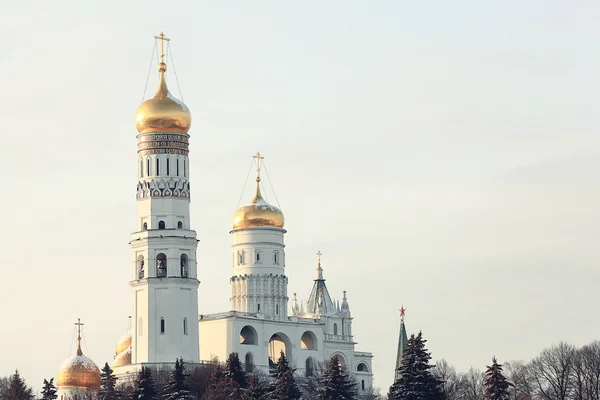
(165, 319)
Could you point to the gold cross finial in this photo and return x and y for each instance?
(319, 254)
(162, 39)
(402, 312)
(79, 325)
(258, 159)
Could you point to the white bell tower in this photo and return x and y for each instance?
(164, 276)
(259, 284)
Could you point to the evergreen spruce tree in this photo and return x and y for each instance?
(496, 385)
(17, 389)
(257, 390)
(176, 388)
(107, 384)
(284, 386)
(336, 384)
(224, 389)
(235, 371)
(221, 386)
(145, 388)
(416, 382)
(49, 390)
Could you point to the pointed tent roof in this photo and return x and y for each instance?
(319, 301)
(402, 341)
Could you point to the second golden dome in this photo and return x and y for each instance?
(258, 213)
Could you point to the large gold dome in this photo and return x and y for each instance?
(163, 112)
(123, 358)
(258, 213)
(124, 343)
(78, 371)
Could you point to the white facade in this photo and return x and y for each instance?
(165, 323)
(164, 280)
(164, 273)
(259, 326)
(259, 284)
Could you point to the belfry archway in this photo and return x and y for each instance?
(278, 343)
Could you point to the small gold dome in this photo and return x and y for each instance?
(163, 112)
(258, 213)
(78, 371)
(123, 358)
(123, 344)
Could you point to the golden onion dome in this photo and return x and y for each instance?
(124, 343)
(78, 371)
(123, 358)
(258, 213)
(163, 112)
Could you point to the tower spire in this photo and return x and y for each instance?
(319, 269)
(402, 341)
(79, 325)
(257, 195)
(295, 308)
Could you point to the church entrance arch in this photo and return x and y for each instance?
(278, 343)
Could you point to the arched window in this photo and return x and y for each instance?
(185, 331)
(162, 326)
(249, 362)
(179, 225)
(140, 266)
(335, 329)
(276, 257)
(167, 167)
(140, 327)
(310, 366)
(183, 263)
(258, 308)
(248, 335)
(277, 309)
(308, 341)
(362, 367)
(277, 345)
(157, 166)
(161, 224)
(161, 265)
(177, 167)
(339, 358)
(145, 226)
(362, 384)
(147, 167)
(141, 168)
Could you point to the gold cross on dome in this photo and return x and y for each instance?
(79, 325)
(258, 159)
(319, 254)
(162, 39)
(402, 312)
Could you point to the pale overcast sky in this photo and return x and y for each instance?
(442, 155)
